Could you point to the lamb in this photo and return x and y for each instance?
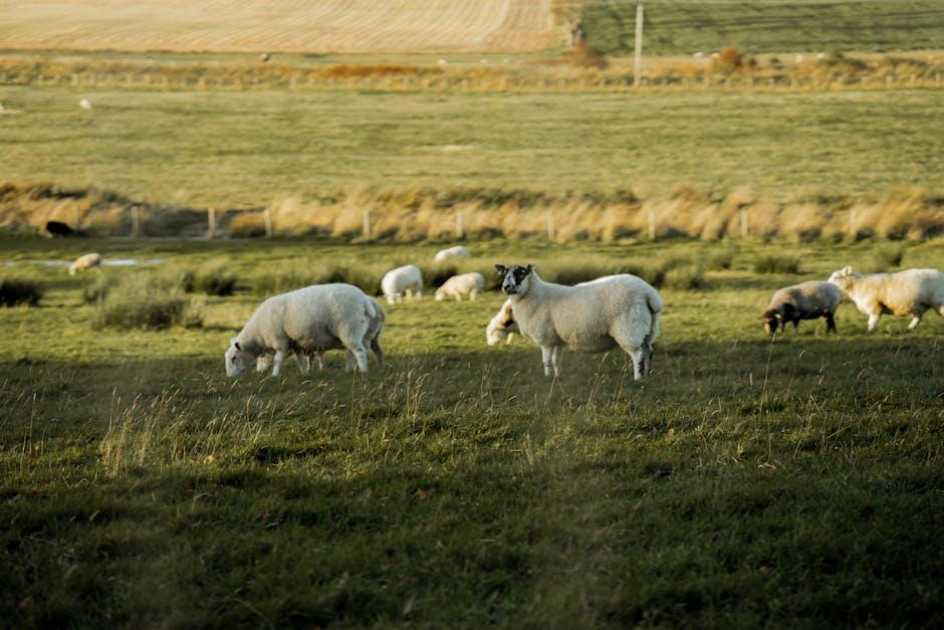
(402, 281)
(85, 262)
(453, 252)
(470, 284)
(502, 326)
(908, 292)
(808, 300)
(597, 316)
(310, 320)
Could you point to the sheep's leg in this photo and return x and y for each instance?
(474, 294)
(547, 359)
(303, 362)
(508, 339)
(915, 320)
(556, 358)
(277, 362)
(360, 356)
(378, 351)
(349, 361)
(873, 321)
(320, 359)
(458, 297)
(263, 363)
(830, 323)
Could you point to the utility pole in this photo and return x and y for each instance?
(637, 65)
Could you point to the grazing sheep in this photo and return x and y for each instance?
(402, 281)
(453, 252)
(470, 284)
(502, 326)
(808, 300)
(908, 292)
(306, 321)
(85, 262)
(596, 316)
(85, 103)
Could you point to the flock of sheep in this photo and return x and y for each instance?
(613, 311)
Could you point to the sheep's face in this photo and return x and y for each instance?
(237, 360)
(844, 278)
(517, 279)
(771, 322)
(440, 295)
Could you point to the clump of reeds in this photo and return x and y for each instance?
(20, 291)
(777, 264)
(138, 302)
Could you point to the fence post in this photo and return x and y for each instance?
(652, 223)
(135, 222)
(637, 57)
(549, 224)
(211, 223)
(745, 225)
(366, 230)
(460, 228)
(267, 215)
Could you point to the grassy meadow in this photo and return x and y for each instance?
(745, 483)
(247, 149)
(687, 26)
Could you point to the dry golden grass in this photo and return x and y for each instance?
(280, 25)
(416, 215)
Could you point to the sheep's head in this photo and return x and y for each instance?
(440, 295)
(502, 325)
(237, 359)
(517, 279)
(772, 320)
(844, 278)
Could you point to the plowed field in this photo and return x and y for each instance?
(281, 25)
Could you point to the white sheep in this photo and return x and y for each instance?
(595, 316)
(313, 319)
(807, 300)
(84, 262)
(470, 284)
(908, 292)
(501, 326)
(401, 282)
(453, 252)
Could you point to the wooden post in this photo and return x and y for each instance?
(366, 230)
(637, 62)
(549, 224)
(745, 225)
(135, 222)
(460, 228)
(267, 215)
(652, 223)
(211, 223)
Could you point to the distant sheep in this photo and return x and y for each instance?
(466, 284)
(85, 262)
(501, 326)
(621, 310)
(909, 292)
(85, 103)
(453, 252)
(306, 321)
(406, 281)
(808, 300)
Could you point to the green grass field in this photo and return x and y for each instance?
(237, 149)
(687, 26)
(745, 483)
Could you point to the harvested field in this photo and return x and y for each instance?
(280, 26)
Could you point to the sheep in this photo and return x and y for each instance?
(808, 300)
(470, 284)
(306, 321)
(908, 292)
(502, 326)
(402, 281)
(85, 103)
(453, 252)
(85, 262)
(596, 316)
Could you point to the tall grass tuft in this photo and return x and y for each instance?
(777, 264)
(888, 257)
(141, 303)
(18, 291)
(688, 277)
(211, 279)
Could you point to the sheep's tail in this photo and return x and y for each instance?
(654, 302)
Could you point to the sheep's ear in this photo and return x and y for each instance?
(501, 269)
(847, 270)
(530, 268)
(236, 343)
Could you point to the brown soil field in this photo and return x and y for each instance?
(320, 26)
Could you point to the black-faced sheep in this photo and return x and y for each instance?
(808, 300)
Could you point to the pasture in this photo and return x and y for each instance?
(744, 483)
